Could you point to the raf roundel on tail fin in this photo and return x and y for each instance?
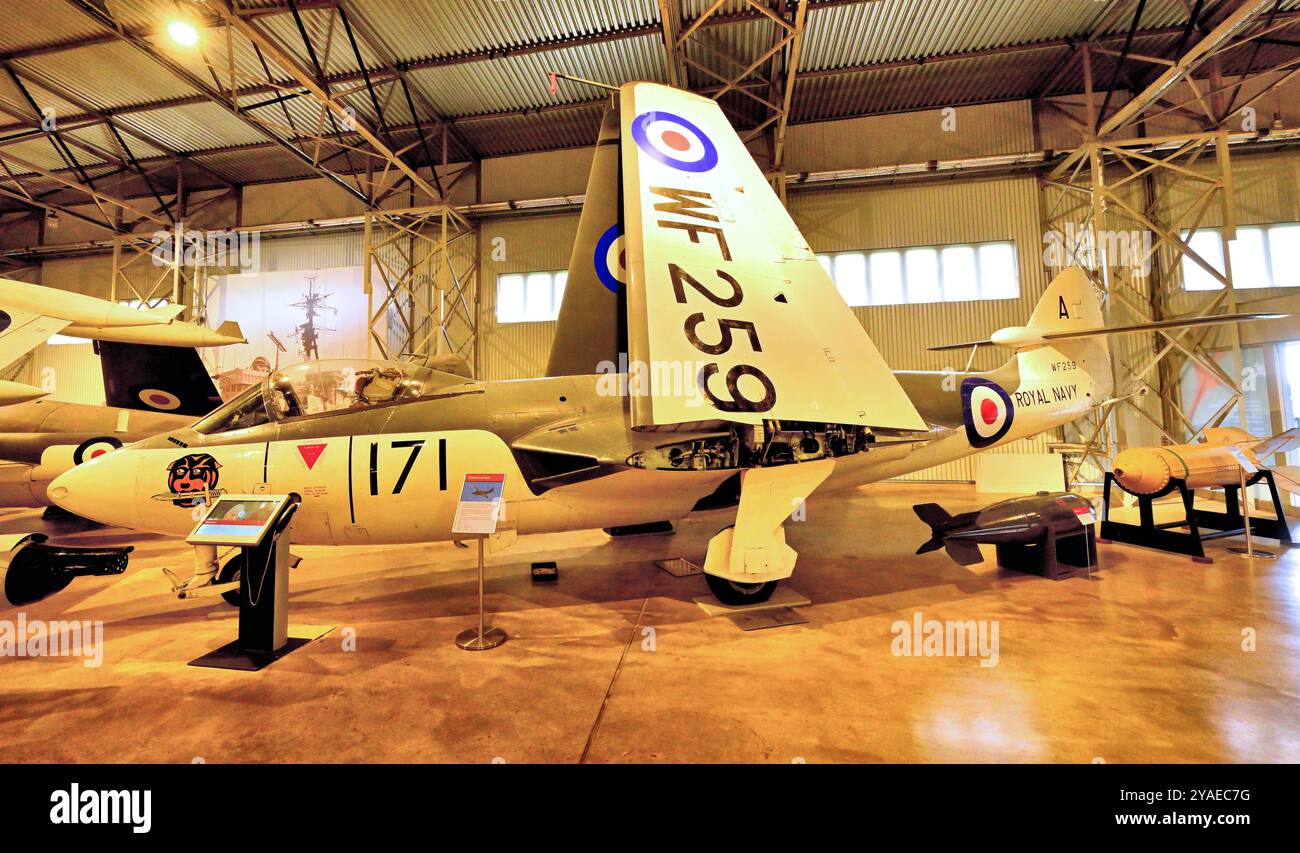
(610, 259)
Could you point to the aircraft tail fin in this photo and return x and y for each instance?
(230, 329)
(590, 327)
(938, 518)
(1283, 442)
(964, 552)
(153, 378)
(1069, 304)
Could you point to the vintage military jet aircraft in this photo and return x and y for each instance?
(147, 389)
(30, 314)
(749, 383)
(154, 380)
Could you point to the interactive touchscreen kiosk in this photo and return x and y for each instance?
(238, 520)
(259, 526)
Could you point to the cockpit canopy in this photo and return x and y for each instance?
(319, 387)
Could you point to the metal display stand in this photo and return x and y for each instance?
(480, 639)
(1166, 536)
(1250, 551)
(1055, 556)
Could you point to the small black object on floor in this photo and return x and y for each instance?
(546, 572)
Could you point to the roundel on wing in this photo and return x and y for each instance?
(987, 411)
(5, 321)
(674, 141)
(157, 398)
(93, 448)
(611, 262)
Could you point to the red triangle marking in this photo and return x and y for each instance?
(310, 453)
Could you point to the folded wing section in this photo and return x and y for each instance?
(23, 331)
(728, 311)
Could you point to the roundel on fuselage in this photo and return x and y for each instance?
(94, 448)
(674, 141)
(5, 321)
(986, 410)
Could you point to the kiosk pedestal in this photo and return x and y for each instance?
(263, 563)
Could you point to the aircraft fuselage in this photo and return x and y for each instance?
(392, 473)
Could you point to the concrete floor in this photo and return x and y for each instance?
(615, 662)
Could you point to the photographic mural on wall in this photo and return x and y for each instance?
(288, 316)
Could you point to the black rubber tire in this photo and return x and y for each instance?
(739, 594)
(226, 574)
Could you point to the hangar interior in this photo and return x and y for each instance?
(402, 180)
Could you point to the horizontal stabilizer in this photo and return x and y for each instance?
(1018, 337)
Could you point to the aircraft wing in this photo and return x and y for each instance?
(728, 308)
(23, 331)
(1102, 331)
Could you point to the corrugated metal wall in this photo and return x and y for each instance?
(517, 350)
(316, 252)
(72, 372)
(883, 140)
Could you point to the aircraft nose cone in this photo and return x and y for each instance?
(101, 489)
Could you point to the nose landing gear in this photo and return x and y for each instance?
(738, 594)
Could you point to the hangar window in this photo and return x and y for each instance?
(920, 274)
(530, 297)
(1262, 256)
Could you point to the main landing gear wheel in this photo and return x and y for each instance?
(228, 574)
(739, 594)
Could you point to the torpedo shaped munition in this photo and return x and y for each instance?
(1017, 521)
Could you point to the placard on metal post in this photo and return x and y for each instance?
(477, 513)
